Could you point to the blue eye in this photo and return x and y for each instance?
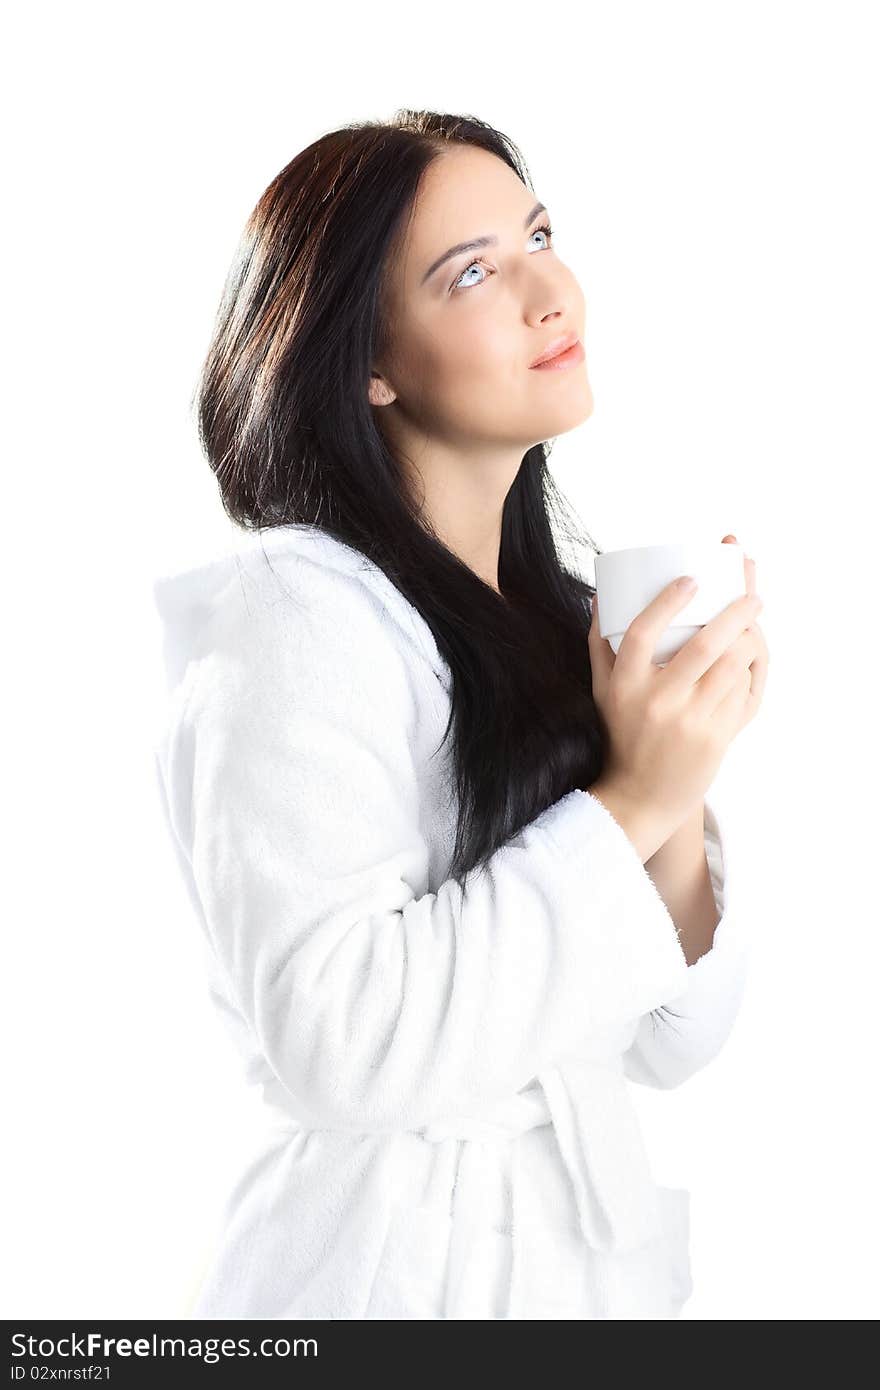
(457, 285)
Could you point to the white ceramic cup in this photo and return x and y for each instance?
(628, 580)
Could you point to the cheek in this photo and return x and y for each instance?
(470, 352)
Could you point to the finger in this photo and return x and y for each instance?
(691, 662)
(601, 653)
(722, 695)
(749, 566)
(724, 675)
(732, 713)
(758, 669)
(746, 689)
(647, 627)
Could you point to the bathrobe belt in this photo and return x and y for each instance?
(602, 1148)
(597, 1131)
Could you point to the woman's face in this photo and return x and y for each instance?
(464, 332)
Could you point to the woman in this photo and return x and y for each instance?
(416, 805)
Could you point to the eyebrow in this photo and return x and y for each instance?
(475, 244)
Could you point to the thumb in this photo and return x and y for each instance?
(601, 653)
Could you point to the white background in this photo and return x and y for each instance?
(711, 174)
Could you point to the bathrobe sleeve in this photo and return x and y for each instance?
(684, 1033)
(295, 789)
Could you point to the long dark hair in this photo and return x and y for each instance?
(285, 421)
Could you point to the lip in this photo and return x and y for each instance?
(556, 349)
(568, 357)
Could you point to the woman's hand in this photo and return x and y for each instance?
(669, 727)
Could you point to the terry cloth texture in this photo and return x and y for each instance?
(452, 1132)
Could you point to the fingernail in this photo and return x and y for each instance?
(686, 582)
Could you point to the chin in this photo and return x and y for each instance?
(569, 415)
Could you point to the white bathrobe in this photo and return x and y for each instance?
(452, 1129)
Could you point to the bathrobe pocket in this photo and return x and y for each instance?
(410, 1277)
(654, 1280)
(676, 1205)
(651, 1281)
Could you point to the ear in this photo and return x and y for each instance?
(380, 392)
